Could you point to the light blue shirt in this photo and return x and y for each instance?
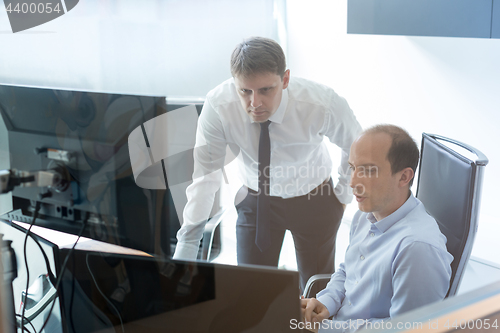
(391, 266)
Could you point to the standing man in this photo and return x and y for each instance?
(278, 124)
(397, 259)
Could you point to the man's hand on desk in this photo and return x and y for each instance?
(313, 310)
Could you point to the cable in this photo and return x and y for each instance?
(49, 273)
(35, 215)
(105, 298)
(46, 259)
(27, 330)
(29, 322)
(47, 264)
(63, 268)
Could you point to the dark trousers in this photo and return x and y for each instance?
(313, 219)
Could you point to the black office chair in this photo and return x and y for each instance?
(449, 186)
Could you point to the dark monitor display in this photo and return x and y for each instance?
(108, 288)
(83, 135)
(179, 296)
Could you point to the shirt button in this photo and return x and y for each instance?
(372, 234)
(357, 282)
(350, 304)
(362, 257)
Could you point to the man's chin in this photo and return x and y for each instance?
(362, 207)
(260, 117)
(260, 121)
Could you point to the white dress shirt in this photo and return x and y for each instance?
(391, 266)
(300, 160)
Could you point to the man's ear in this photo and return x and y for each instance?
(407, 175)
(286, 78)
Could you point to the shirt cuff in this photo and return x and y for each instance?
(185, 251)
(328, 303)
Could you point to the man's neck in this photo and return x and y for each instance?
(397, 204)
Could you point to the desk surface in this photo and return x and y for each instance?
(66, 241)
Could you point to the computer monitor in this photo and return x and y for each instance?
(179, 296)
(109, 288)
(84, 136)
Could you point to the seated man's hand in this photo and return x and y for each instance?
(313, 310)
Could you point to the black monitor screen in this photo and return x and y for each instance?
(83, 135)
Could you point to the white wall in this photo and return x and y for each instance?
(160, 47)
(447, 86)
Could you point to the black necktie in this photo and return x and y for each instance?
(263, 235)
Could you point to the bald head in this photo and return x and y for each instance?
(403, 151)
(380, 185)
(372, 146)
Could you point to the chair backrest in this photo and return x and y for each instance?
(449, 186)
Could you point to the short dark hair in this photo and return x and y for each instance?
(403, 152)
(257, 55)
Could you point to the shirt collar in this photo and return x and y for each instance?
(388, 221)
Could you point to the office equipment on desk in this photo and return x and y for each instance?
(70, 167)
(109, 288)
(79, 139)
(449, 186)
(75, 145)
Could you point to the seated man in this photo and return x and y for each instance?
(397, 259)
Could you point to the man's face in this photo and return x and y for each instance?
(260, 94)
(376, 189)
